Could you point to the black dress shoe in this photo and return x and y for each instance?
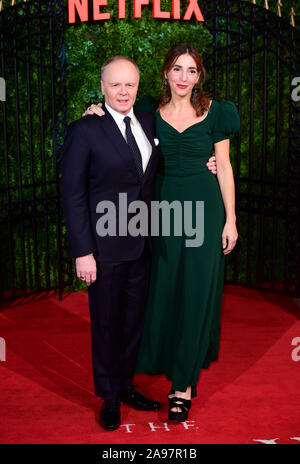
(110, 417)
(137, 401)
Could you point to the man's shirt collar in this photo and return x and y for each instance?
(119, 117)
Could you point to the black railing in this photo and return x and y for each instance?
(252, 60)
(33, 123)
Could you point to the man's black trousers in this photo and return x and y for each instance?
(117, 301)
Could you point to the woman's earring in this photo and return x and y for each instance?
(165, 82)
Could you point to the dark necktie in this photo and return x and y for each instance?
(134, 147)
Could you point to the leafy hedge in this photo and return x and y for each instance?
(32, 258)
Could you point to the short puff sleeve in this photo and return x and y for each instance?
(227, 121)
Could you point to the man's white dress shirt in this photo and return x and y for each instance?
(137, 130)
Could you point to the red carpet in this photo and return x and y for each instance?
(251, 394)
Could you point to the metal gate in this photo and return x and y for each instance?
(32, 130)
(253, 59)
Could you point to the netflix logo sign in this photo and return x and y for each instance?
(98, 10)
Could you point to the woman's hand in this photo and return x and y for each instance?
(229, 237)
(211, 164)
(94, 109)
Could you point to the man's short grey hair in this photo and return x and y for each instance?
(118, 58)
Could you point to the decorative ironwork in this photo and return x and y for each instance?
(32, 127)
(255, 50)
(292, 15)
(252, 61)
(266, 5)
(279, 5)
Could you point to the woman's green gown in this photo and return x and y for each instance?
(182, 323)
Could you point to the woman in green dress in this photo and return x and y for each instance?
(182, 323)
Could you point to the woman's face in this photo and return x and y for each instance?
(183, 75)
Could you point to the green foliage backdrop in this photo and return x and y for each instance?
(146, 40)
(28, 244)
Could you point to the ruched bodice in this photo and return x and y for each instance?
(186, 153)
(182, 154)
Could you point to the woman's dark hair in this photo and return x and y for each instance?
(199, 99)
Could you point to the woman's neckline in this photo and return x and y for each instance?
(192, 125)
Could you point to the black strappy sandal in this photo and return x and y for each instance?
(183, 405)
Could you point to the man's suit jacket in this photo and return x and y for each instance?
(97, 165)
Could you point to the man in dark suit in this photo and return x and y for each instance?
(103, 157)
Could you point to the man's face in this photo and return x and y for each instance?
(119, 85)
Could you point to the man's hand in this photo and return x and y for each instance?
(211, 164)
(86, 268)
(94, 109)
